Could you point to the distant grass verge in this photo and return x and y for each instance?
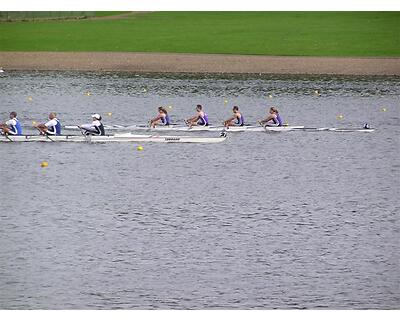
(260, 33)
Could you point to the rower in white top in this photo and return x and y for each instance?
(11, 126)
(95, 128)
(51, 127)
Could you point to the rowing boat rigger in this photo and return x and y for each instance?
(128, 137)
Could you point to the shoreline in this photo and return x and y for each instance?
(197, 63)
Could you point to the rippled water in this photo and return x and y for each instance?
(284, 220)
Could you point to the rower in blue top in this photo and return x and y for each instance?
(12, 126)
(236, 120)
(162, 116)
(200, 119)
(51, 127)
(273, 119)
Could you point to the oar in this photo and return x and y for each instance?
(88, 137)
(8, 138)
(47, 136)
(262, 125)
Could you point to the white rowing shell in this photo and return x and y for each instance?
(184, 128)
(113, 138)
(230, 129)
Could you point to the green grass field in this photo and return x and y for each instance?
(262, 33)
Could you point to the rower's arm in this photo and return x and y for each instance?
(195, 118)
(229, 120)
(270, 117)
(156, 118)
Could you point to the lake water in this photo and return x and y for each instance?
(261, 221)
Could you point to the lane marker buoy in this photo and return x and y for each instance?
(44, 164)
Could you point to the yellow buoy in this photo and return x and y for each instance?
(109, 114)
(340, 117)
(144, 90)
(286, 124)
(169, 107)
(225, 101)
(33, 122)
(44, 164)
(139, 148)
(270, 96)
(383, 109)
(88, 93)
(30, 99)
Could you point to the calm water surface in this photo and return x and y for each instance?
(262, 221)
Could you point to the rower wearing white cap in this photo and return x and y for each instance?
(95, 128)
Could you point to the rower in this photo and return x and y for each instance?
(162, 116)
(95, 128)
(236, 116)
(200, 119)
(51, 127)
(11, 127)
(273, 119)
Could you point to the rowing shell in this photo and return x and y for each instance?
(184, 128)
(112, 138)
(230, 129)
(175, 128)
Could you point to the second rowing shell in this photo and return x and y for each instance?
(230, 129)
(193, 129)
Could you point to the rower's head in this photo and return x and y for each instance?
(52, 115)
(235, 109)
(13, 114)
(199, 107)
(162, 110)
(96, 116)
(273, 110)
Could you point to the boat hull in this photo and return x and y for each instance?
(184, 128)
(220, 129)
(112, 138)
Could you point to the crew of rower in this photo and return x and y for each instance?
(273, 119)
(12, 126)
(95, 128)
(162, 116)
(236, 120)
(53, 125)
(200, 119)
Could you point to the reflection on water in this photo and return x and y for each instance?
(287, 220)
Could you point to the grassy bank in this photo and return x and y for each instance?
(264, 33)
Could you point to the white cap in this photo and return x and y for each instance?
(96, 115)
